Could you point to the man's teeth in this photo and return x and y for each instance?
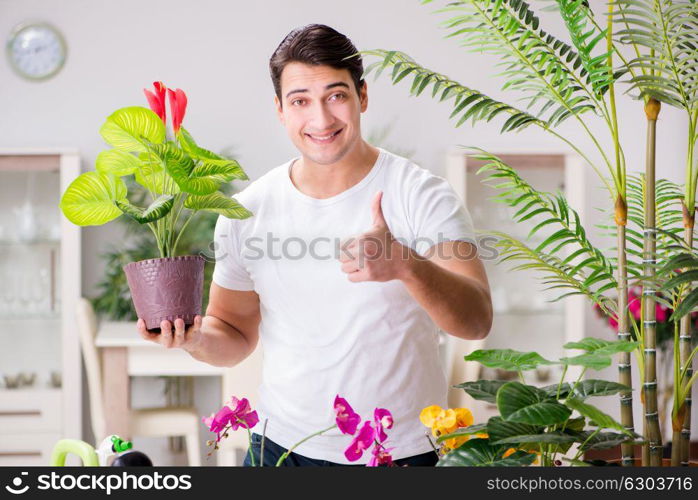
(325, 137)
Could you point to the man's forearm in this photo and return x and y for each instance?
(221, 344)
(459, 305)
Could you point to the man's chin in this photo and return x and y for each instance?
(327, 158)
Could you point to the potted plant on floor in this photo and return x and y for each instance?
(181, 179)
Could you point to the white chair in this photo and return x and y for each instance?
(150, 422)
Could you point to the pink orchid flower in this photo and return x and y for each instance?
(382, 419)
(361, 442)
(236, 413)
(156, 100)
(178, 106)
(635, 306)
(242, 414)
(380, 456)
(347, 419)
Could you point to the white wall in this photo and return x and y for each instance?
(218, 51)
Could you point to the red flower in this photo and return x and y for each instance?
(156, 101)
(178, 106)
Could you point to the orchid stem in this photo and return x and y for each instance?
(290, 450)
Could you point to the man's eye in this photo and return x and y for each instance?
(296, 102)
(337, 97)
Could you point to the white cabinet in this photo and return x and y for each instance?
(524, 319)
(39, 284)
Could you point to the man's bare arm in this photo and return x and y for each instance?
(224, 337)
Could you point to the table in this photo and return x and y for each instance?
(124, 354)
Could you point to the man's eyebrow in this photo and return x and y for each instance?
(327, 87)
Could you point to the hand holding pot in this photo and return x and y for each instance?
(184, 339)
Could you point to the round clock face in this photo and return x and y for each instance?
(36, 51)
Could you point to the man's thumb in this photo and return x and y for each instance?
(377, 210)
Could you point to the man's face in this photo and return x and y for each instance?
(321, 110)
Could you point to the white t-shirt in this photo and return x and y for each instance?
(321, 334)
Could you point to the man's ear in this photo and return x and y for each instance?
(364, 96)
(279, 109)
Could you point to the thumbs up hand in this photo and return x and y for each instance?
(374, 255)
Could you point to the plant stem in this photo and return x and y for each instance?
(290, 450)
(580, 450)
(649, 323)
(249, 440)
(684, 340)
(264, 436)
(621, 215)
(181, 231)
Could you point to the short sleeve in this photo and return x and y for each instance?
(229, 271)
(437, 213)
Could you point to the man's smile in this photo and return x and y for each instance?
(324, 139)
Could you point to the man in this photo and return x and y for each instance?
(352, 258)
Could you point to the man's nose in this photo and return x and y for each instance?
(322, 118)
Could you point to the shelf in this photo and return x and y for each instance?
(17, 243)
(54, 316)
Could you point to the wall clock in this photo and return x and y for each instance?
(36, 51)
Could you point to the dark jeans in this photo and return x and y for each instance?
(273, 451)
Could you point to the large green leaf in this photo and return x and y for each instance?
(219, 203)
(601, 419)
(193, 178)
(151, 174)
(586, 388)
(130, 129)
(604, 440)
(501, 431)
(225, 168)
(480, 453)
(463, 431)
(89, 199)
(483, 390)
(593, 361)
(116, 162)
(526, 404)
(508, 359)
(157, 210)
(594, 345)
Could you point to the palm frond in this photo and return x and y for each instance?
(669, 30)
(539, 65)
(688, 261)
(668, 222)
(583, 263)
(468, 103)
(585, 37)
(554, 272)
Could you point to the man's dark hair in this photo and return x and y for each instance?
(316, 44)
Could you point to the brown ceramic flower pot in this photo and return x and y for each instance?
(166, 289)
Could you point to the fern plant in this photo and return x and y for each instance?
(575, 81)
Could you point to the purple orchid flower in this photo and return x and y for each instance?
(242, 414)
(380, 456)
(361, 442)
(347, 419)
(382, 419)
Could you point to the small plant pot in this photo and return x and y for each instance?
(166, 289)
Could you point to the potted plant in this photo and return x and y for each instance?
(544, 421)
(181, 178)
(574, 81)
